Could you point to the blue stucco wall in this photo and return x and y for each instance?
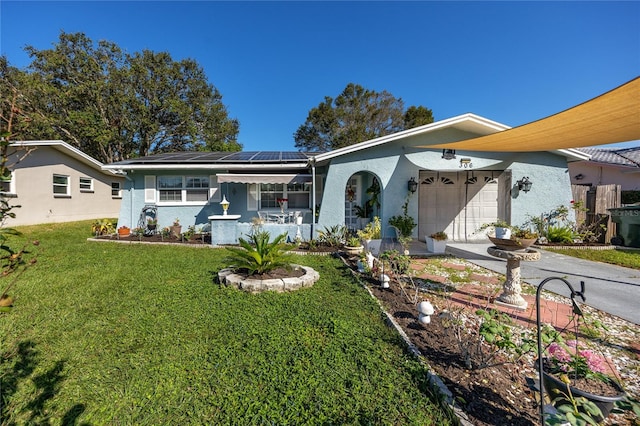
(396, 162)
(133, 203)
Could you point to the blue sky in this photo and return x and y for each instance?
(512, 62)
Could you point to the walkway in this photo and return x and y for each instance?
(611, 289)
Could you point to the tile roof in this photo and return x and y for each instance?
(629, 157)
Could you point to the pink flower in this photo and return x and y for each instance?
(558, 352)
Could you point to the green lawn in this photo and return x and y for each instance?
(108, 333)
(629, 258)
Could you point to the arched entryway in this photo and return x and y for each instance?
(362, 200)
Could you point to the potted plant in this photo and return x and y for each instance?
(501, 228)
(176, 228)
(152, 223)
(353, 246)
(372, 235)
(571, 374)
(437, 242)
(520, 239)
(124, 231)
(362, 213)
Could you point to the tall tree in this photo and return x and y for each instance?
(356, 115)
(417, 116)
(115, 106)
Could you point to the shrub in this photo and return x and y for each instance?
(560, 234)
(373, 230)
(103, 227)
(333, 236)
(404, 223)
(260, 255)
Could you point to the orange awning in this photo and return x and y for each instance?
(609, 118)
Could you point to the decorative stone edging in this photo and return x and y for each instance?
(227, 276)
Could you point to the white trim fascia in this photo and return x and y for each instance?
(64, 147)
(468, 118)
(211, 166)
(572, 154)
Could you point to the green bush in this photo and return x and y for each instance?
(404, 223)
(259, 255)
(630, 197)
(560, 234)
(333, 236)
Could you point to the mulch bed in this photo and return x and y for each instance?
(500, 395)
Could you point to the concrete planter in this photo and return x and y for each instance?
(436, 246)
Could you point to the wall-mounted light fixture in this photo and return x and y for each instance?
(448, 154)
(579, 176)
(412, 185)
(524, 184)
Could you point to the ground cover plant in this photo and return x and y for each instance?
(109, 333)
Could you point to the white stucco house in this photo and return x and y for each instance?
(54, 182)
(455, 191)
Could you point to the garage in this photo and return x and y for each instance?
(460, 202)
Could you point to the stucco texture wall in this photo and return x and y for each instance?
(33, 177)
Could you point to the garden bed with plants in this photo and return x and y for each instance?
(491, 386)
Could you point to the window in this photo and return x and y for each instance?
(197, 188)
(86, 184)
(8, 186)
(60, 185)
(170, 188)
(296, 194)
(183, 189)
(116, 190)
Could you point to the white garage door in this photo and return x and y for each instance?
(459, 202)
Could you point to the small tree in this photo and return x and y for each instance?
(13, 262)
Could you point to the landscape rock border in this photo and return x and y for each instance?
(228, 276)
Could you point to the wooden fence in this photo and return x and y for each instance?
(597, 199)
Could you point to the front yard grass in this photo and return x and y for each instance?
(621, 257)
(108, 333)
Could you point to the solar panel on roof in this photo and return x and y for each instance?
(199, 157)
(267, 156)
(240, 156)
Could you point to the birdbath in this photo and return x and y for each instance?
(511, 289)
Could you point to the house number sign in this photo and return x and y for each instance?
(466, 163)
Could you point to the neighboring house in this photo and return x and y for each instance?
(55, 182)
(606, 166)
(455, 192)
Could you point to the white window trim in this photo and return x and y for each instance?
(119, 194)
(212, 193)
(254, 199)
(90, 189)
(12, 187)
(67, 186)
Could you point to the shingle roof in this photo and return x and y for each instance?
(629, 157)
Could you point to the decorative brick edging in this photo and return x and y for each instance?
(228, 277)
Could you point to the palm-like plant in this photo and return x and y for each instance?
(259, 255)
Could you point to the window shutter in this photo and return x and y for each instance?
(214, 190)
(252, 197)
(149, 189)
